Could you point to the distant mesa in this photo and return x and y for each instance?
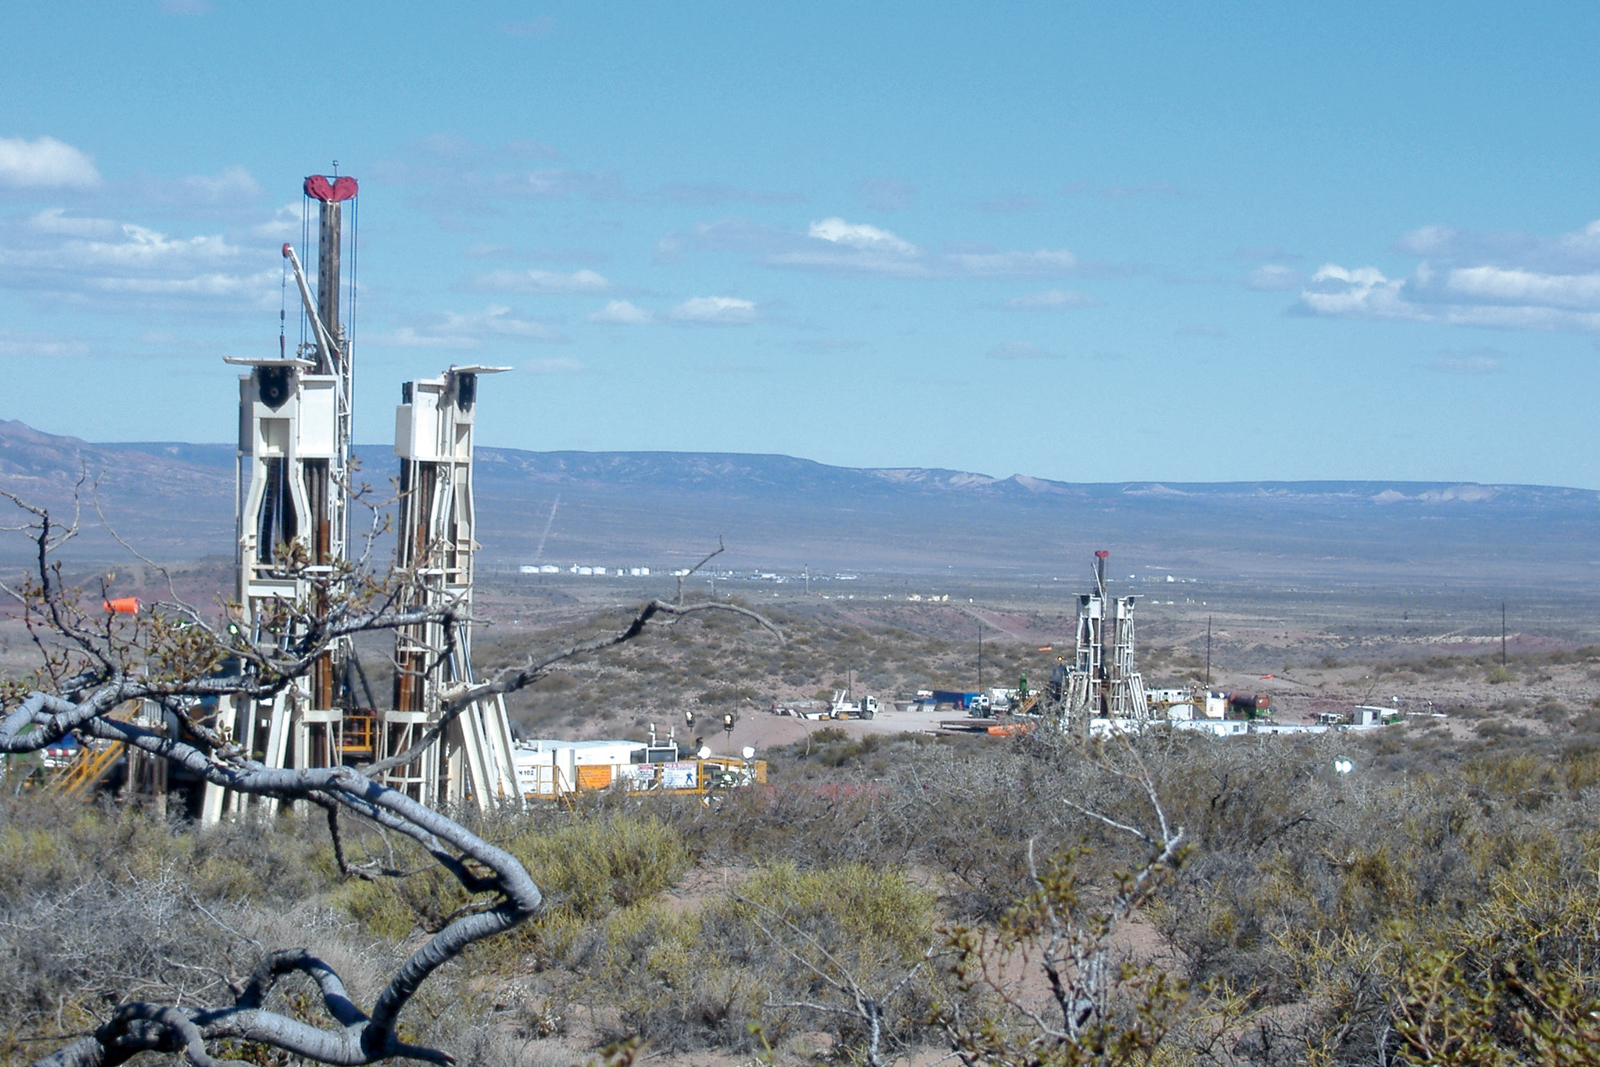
(784, 514)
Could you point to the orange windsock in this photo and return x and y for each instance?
(128, 605)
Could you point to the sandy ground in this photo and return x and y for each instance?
(765, 730)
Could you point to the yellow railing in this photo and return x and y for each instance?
(90, 764)
(358, 736)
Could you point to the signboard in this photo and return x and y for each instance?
(679, 775)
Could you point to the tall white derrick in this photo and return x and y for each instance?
(1092, 687)
(291, 503)
(435, 535)
(291, 478)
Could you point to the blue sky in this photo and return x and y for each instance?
(1080, 241)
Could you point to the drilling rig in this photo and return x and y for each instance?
(292, 529)
(1093, 688)
(474, 758)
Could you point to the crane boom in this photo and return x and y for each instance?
(324, 338)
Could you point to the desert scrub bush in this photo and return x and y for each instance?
(586, 866)
(104, 904)
(1509, 980)
(811, 935)
(1238, 798)
(813, 824)
(872, 917)
(726, 694)
(605, 860)
(384, 909)
(288, 857)
(683, 978)
(649, 974)
(1492, 865)
(1553, 711)
(47, 843)
(50, 842)
(832, 747)
(1100, 1010)
(1499, 729)
(1580, 765)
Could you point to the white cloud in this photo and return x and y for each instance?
(284, 225)
(215, 284)
(1021, 350)
(1507, 280)
(467, 330)
(45, 163)
(836, 246)
(1274, 277)
(408, 337)
(846, 260)
(143, 248)
(1513, 300)
(541, 281)
(1499, 286)
(496, 320)
(227, 185)
(1427, 240)
(119, 266)
(56, 220)
(1050, 300)
(554, 183)
(13, 343)
(1043, 263)
(859, 235)
(714, 311)
(1363, 292)
(621, 313)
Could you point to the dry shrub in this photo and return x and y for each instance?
(703, 978)
(585, 866)
(613, 859)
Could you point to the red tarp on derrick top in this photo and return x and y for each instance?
(320, 188)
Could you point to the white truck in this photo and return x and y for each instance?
(844, 708)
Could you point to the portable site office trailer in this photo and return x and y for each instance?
(554, 769)
(548, 767)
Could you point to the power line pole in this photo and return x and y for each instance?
(980, 657)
